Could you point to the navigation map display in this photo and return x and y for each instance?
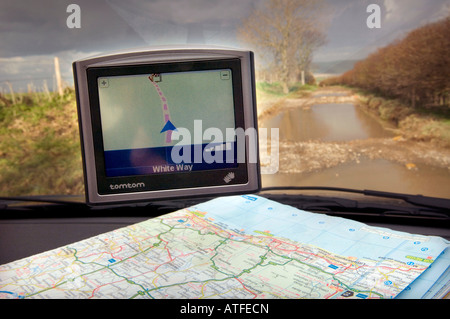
(167, 123)
(145, 116)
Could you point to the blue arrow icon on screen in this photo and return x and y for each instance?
(168, 127)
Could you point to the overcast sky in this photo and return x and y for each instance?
(32, 32)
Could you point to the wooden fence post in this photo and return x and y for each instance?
(58, 76)
(13, 98)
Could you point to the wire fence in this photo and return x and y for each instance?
(30, 75)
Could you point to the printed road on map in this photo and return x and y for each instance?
(231, 247)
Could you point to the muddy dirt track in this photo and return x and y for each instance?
(312, 155)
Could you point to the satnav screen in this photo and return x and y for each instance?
(155, 123)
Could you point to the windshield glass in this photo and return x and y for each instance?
(352, 94)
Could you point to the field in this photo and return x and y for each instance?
(39, 145)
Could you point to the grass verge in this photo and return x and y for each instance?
(419, 124)
(39, 145)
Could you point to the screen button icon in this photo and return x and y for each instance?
(225, 75)
(103, 82)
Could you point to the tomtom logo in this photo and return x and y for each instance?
(126, 186)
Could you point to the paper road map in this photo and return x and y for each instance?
(237, 247)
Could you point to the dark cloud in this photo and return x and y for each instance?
(30, 27)
(32, 32)
(350, 38)
(184, 21)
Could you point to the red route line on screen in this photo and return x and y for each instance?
(165, 108)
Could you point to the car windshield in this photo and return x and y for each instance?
(352, 94)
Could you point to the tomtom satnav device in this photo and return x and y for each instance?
(166, 123)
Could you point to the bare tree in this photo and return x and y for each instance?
(285, 34)
(308, 41)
